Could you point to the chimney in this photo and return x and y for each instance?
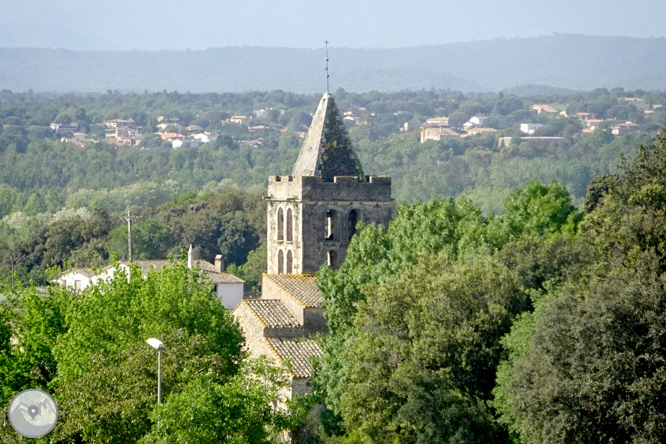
(189, 257)
(219, 263)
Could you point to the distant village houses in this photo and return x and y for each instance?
(530, 128)
(119, 132)
(624, 128)
(538, 108)
(437, 133)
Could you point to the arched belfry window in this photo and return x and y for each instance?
(290, 262)
(330, 225)
(280, 268)
(352, 220)
(290, 225)
(332, 259)
(280, 224)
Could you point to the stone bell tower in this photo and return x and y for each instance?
(312, 214)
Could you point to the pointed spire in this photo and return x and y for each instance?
(327, 150)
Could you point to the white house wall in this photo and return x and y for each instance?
(230, 294)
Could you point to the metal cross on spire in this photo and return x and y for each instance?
(327, 76)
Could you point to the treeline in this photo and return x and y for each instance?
(231, 224)
(542, 325)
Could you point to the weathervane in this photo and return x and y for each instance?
(327, 76)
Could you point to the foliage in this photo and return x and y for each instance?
(448, 230)
(251, 272)
(588, 366)
(409, 379)
(539, 210)
(243, 410)
(119, 313)
(33, 320)
(112, 401)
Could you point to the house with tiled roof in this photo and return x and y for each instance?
(438, 121)
(437, 133)
(624, 128)
(543, 108)
(228, 288)
(312, 216)
(475, 131)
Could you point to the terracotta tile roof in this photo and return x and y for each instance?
(272, 313)
(301, 287)
(297, 352)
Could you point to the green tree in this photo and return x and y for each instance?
(153, 240)
(242, 410)
(539, 210)
(586, 366)
(33, 320)
(439, 227)
(112, 402)
(422, 362)
(114, 315)
(252, 270)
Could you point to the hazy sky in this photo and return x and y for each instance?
(200, 24)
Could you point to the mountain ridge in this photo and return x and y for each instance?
(569, 61)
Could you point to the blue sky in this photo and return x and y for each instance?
(201, 24)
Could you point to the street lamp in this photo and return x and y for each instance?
(157, 345)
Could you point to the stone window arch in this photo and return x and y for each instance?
(280, 224)
(352, 220)
(332, 259)
(280, 262)
(290, 262)
(331, 224)
(290, 225)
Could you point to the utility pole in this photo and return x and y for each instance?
(129, 218)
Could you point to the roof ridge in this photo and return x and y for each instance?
(288, 321)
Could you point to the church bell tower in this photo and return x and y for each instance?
(312, 214)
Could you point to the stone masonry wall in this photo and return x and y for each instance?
(253, 331)
(274, 245)
(311, 199)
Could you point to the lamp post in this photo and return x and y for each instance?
(157, 345)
